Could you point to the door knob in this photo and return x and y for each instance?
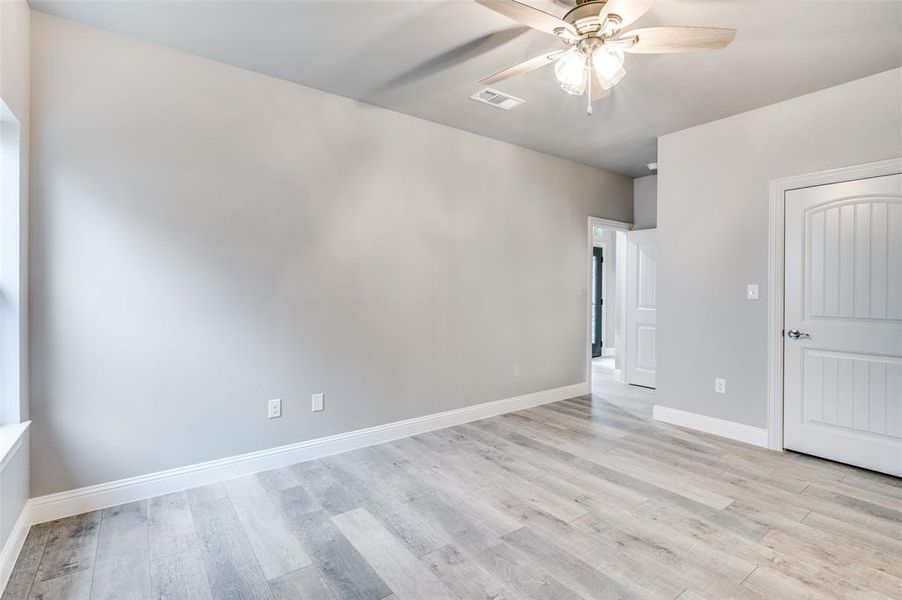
(795, 334)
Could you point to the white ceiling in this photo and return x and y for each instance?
(424, 58)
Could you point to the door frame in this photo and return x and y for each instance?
(776, 275)
(592, 224)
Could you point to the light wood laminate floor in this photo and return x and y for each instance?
(585, 498)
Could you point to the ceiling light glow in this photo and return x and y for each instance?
(571, 72)
(608, 63)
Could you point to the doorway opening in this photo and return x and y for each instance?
(606, 293)
(607, 320)
(598, 282)
(621, 317)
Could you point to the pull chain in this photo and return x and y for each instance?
(589, 86)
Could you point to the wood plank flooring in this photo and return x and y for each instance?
(581, 499)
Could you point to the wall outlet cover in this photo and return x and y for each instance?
(720, 386)
(318, 400)
(275, 408)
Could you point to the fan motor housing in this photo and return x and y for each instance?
(585, 16)
(587, 45)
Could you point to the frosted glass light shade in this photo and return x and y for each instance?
(571, 72)
(608, 63)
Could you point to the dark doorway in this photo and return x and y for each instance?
(597, 270)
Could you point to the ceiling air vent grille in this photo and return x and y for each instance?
(497, 99)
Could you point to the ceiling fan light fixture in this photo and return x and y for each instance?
(610, 25)
(610, 80)
(575, 88)
(571, 72)
(607, 60)
(595, 42)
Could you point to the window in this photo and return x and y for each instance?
(11, 309)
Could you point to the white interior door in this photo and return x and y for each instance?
(641, 303)
(842, 396)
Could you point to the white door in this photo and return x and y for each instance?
(641, 304)
(842, 352)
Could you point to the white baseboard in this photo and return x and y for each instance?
(73, 502)
(756, 436)
(10, 552)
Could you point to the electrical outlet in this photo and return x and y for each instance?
(751, 291)
(318, 402)
(720, 386)
(275, 408)
(516, 370)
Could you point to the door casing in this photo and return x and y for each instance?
(775, 275)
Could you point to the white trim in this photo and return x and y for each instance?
(12, 437)
(73, 502)
(10, 552)
(775, 275)
(609, 224)
(757, 436)
(11, 440)
(590, 243)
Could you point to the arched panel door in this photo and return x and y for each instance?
(843, 322)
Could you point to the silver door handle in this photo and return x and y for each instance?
(795, 334)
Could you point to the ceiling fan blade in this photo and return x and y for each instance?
(455, 56)
(528, 15)
(523, 67)
(627, 10)
(665, 40)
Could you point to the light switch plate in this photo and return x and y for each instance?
(318, 402)
(720, 386)
(751, 291)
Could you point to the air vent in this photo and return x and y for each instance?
(497, 99)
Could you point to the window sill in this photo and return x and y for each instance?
(10, 439)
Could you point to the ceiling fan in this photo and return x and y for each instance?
(592, 61)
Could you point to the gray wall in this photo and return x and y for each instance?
(645, 202)
(206, 238)
(713, 231)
